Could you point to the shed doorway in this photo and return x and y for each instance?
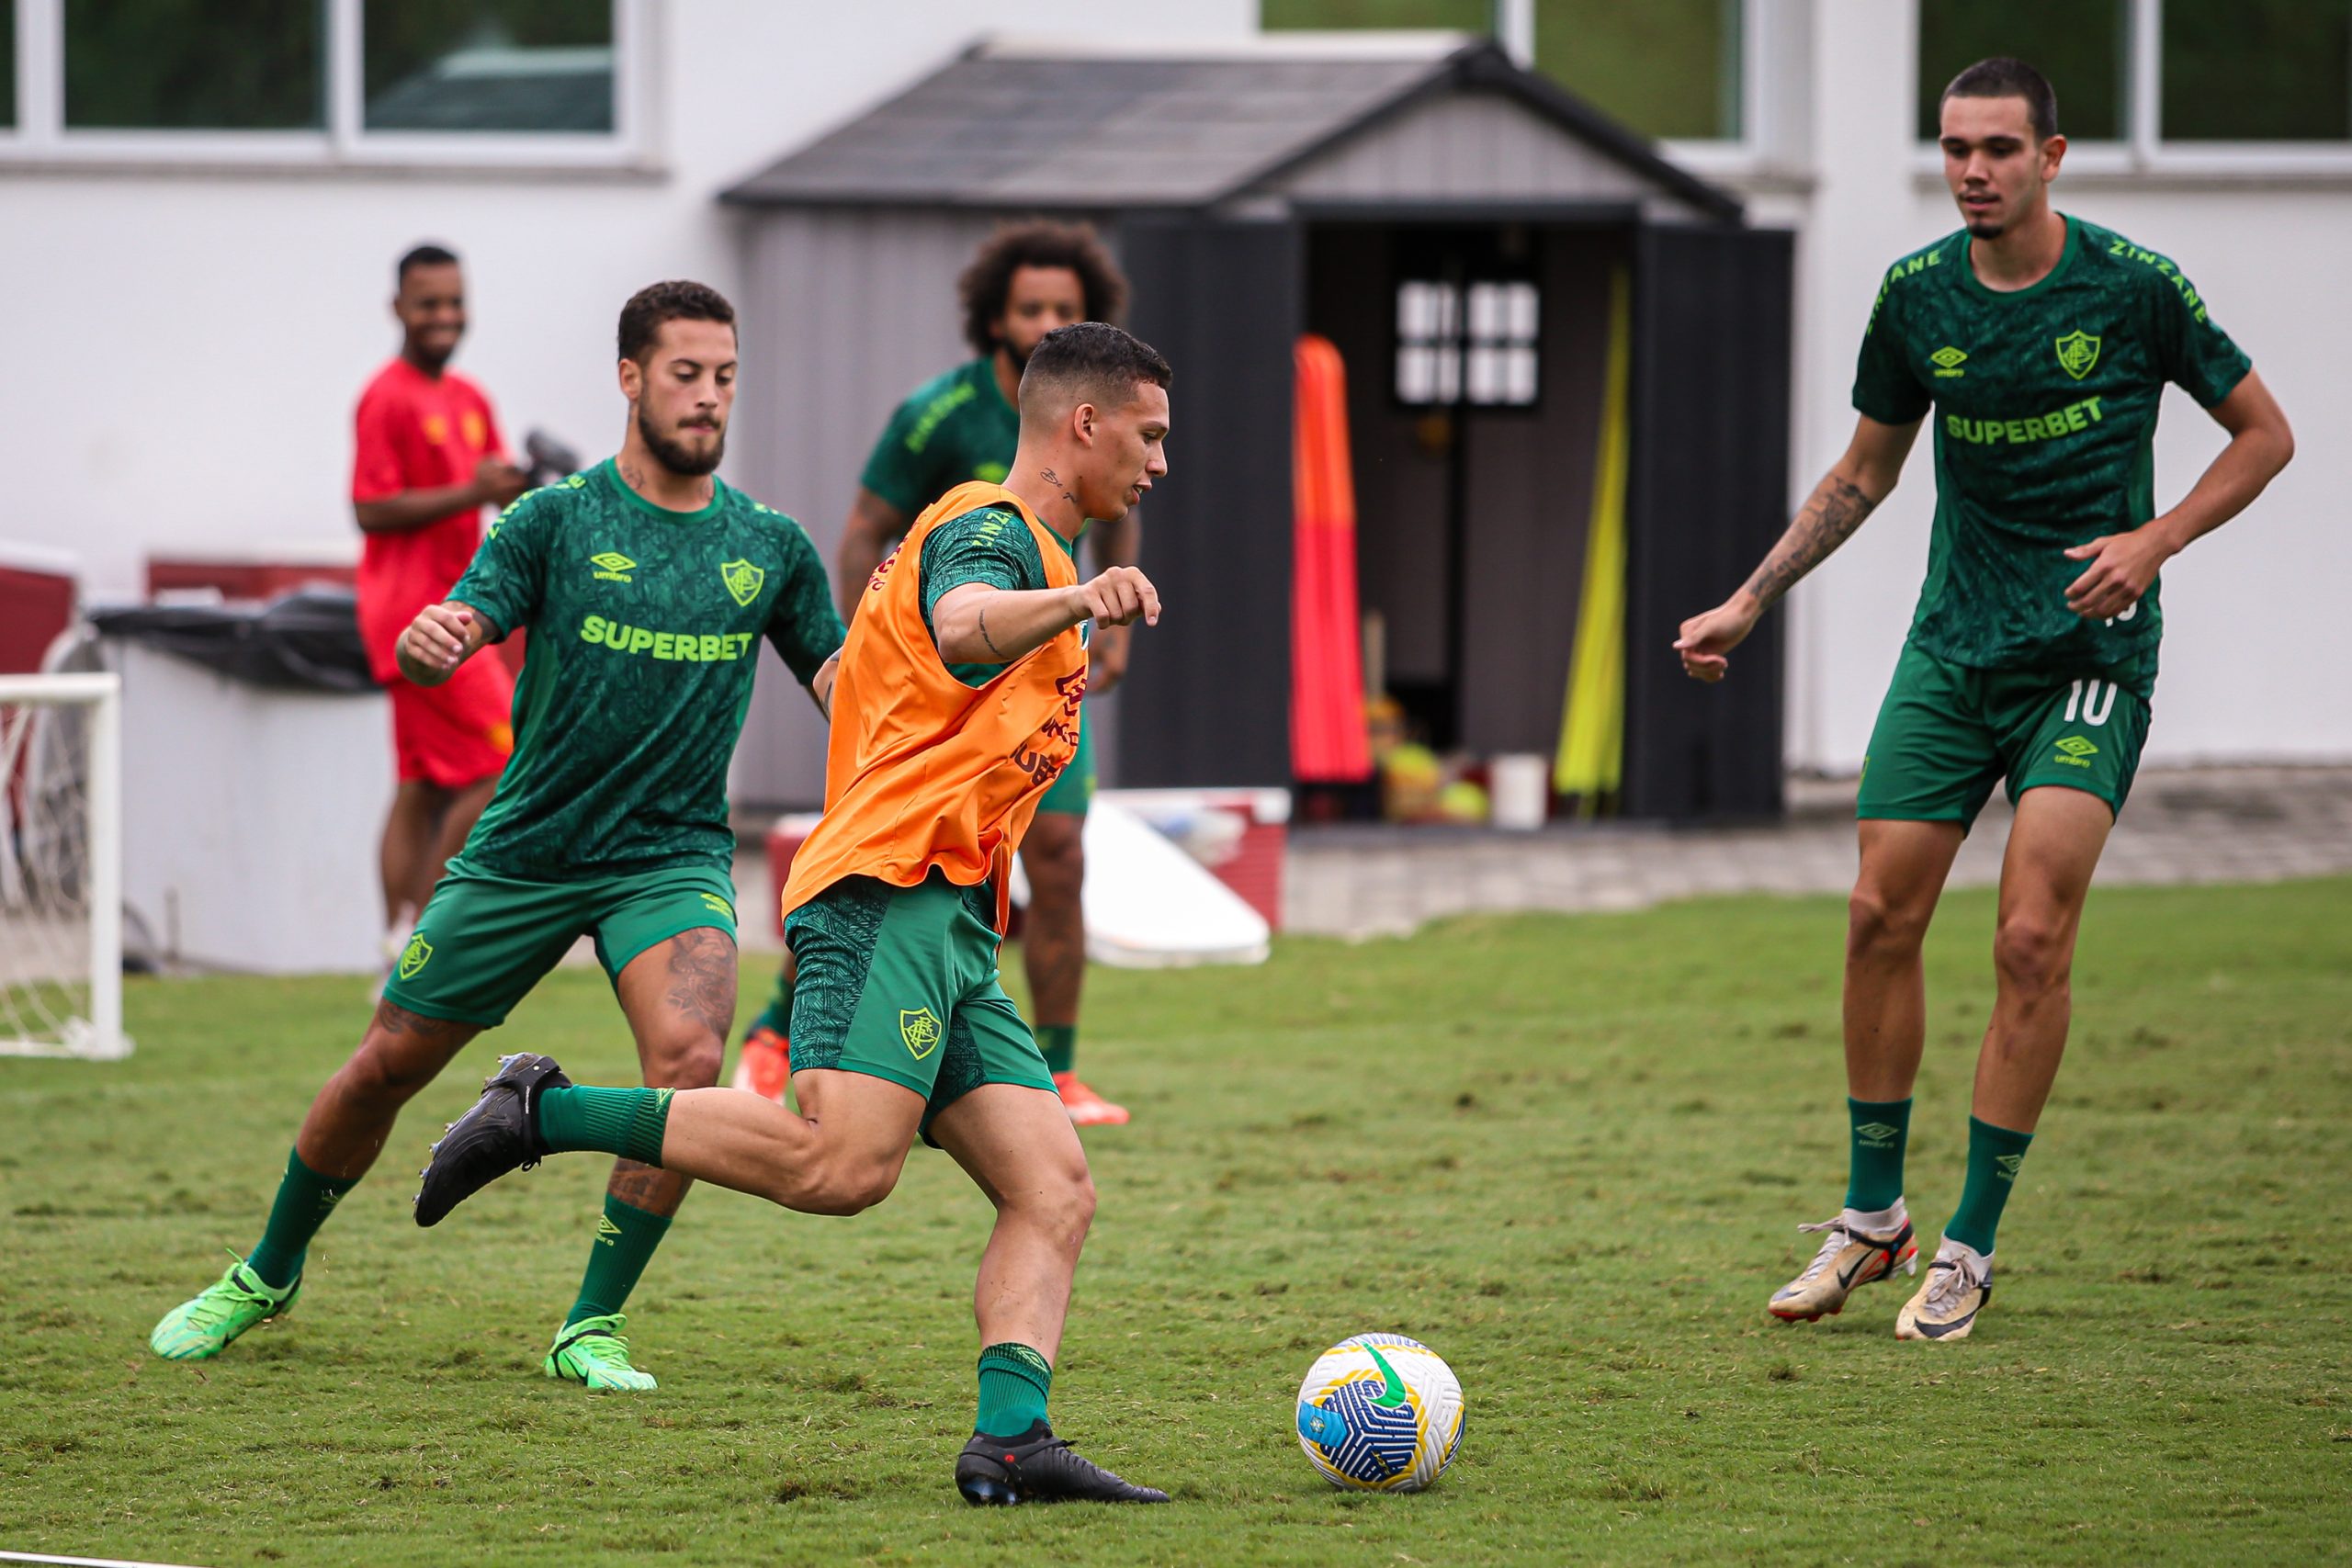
(1476, 356)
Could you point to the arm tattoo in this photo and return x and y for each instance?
(990, 640)
(1827, 519)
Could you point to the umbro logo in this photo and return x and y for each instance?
(2076, 752)
(1947, 361)
(2007, 1166)
(606, 1230)
(1877, 1134)
(612, 567)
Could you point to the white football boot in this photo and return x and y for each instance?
(1959, 1284)
(1856, 1253)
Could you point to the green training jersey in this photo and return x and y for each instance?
(953, 429)
(991, 544)
(645, 632)
(2045, 403)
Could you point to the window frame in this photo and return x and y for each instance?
(42, 136)
(1462, 341)
(1767, 27)
(2143, 153)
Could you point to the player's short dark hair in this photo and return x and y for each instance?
(988, 281)
(426, 255)
(676, 301)
(1101, 362)
(2001, 78)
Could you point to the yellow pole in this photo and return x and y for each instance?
(1592, 726)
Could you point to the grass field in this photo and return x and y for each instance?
(1569, 1153)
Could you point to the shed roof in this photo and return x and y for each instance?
(1014, 124)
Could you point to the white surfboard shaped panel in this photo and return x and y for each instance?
(1151, 906)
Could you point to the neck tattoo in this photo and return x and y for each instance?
(634, 476)
(1055, 479)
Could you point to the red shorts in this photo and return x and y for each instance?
(459, 732)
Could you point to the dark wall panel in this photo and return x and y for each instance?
(1400, 474)
(1207, 696)
(1529, 510)
(1707, 496)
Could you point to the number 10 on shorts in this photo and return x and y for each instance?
(2092, 701)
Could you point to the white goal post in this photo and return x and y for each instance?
(61, 866)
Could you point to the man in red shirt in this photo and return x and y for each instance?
(429, 459)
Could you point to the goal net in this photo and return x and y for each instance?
(61, 866)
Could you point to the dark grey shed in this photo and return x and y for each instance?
(1253, 193)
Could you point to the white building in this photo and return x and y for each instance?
(194, 311)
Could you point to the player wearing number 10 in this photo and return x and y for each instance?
(2042, 345)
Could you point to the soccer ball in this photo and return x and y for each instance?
(1380, 1412)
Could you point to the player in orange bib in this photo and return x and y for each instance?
(957, 706)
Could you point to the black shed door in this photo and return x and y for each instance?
(1209, 687)
(1707, 496)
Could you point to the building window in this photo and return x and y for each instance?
(2179, 83)
(506, 65)
(465, 82)
(1429, 343)
(2083, 47)
(194, 64)
(1454, 15)
(8, 65)
(1669, 69)
(2257, 71)
(1503, 344)
(1485, 355)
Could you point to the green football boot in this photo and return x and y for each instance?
(201, 1329)
(593, 1354)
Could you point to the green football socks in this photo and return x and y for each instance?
(305, 1199)
(1059, 1041)
(1875, 1159)
(624, 1121)
(626, 1237)
(1994, 1156)
(1013, 1382)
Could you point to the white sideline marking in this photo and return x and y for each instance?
(81, 1561)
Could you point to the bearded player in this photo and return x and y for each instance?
(1028, 279)
(2042, 344)
(957, 710)
(647, 583)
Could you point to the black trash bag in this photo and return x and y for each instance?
(307, 639)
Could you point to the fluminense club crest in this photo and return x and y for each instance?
(2077, 352)
(742, 580)
(918, 1027)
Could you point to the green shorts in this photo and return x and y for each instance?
(900, 983)
(1947, 732)
(484, 941)
(1073, 791)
